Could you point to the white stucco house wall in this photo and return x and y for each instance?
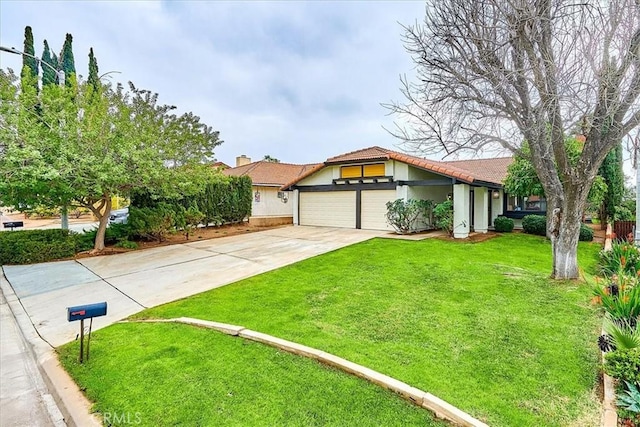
(351, 190)
(270, 204)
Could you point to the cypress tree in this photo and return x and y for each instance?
(67, 63)
(611, 171)
(93, 71)
(29, 72)
(56, 64)
(49, 77)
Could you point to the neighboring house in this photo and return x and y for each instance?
(351, 190)
(220, 165)
(270, 205)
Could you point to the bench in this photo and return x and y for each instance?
(13, 224)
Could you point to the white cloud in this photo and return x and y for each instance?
(301, 81)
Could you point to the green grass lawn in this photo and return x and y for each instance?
(169, 374)
(479, 325)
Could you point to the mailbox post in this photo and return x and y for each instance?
(87, 311)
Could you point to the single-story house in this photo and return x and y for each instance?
(270, 205)
(351, 190)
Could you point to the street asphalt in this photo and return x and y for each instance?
(129, 283)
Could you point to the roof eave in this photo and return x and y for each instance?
(348, 162)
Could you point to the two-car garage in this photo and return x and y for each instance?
(340, 208)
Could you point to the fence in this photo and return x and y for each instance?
(623, 229)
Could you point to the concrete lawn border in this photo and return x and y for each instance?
(609, 413)
(439, 407)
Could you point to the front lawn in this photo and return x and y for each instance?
(170, 374)
(479, 325)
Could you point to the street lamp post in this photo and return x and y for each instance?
(64, 217)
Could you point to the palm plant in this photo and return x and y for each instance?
(625, 336)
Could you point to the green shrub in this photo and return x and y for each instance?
(503, 224)
(622, 213)
(152, 223)
(402, 215)
(535, 224)
(443, 214)
(126, 244)
(586, 233)
(623, 365)
(42, 212)
(33, 246)
(113, 234)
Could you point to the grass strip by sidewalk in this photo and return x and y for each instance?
(164, 374)
(478, 325)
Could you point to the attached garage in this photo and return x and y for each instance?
(374, 209)
(328, 209)
(352, 190)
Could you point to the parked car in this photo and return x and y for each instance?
(119, 216)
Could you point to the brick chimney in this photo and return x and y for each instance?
(242, 160)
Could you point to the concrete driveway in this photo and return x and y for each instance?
(137, 280)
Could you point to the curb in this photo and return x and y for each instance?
(439, 407)
(66, 401)
(609, 413)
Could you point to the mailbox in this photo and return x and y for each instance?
(81, 312)
(13, 224)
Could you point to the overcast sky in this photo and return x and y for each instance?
(300, 81)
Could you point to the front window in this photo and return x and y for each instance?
(362, 171)
(526, 203)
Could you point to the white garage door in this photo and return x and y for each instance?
(328, 209)
(374, 209)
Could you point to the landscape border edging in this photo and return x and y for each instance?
(609, 413)
(439, 407)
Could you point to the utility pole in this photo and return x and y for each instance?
(64, 216)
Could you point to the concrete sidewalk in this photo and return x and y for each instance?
(24, 397)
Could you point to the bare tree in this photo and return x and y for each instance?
(493, 73)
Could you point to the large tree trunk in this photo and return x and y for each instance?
(102, 213)
(564, 232)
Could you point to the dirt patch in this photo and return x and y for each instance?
(473, 237)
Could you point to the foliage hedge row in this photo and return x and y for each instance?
(537, 224)
(33, 246)
(220, 201)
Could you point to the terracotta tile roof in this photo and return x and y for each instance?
(488, 170)
(371, 153)
(270, 173)
(469, 171)
(220, 165)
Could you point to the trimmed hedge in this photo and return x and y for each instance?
(503, 224)
(224, 200)
(586, 233)
(537, 224)
(33, 246)
(623, 364)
